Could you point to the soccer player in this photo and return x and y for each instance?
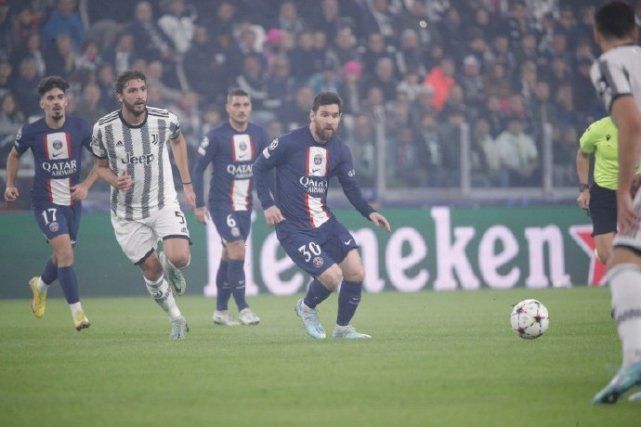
(616, 76)
(305, 160)
(56, 142)
(231, 148)
(599, 139)
(130, 149)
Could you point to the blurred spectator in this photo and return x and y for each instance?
(106, 79)
(64, 20)
(30, 48)
(297, 115)
(304, 57)
(288, 18)
(199, 68)
(408, 165)
(410, 57)
(495, 115)
(497, 82)
(177, 23)
(327, 80)
(374, 51)
(60, 59)
(519, 155)
(280, 85)
(252, 80)
(155, 77)
(487, 167)
(11, 118)
(190, 119)
(88, 107)
(274, 129)
(472, 83)
(415, 18)
(441, 79)
(451, 30)
(351, 87)
(450, 130)
(362, 142)
(122, 55)
(5, 29)
(384, 78)
(150, 42)
(6, 71)
(432, 148)
(345, 46)
(25, 25)
(24, 87)
(410, 84)
(378, 18)
(89, 58)
(329, 20)
(564, 156)
(518, 23)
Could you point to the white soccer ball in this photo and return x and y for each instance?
(530, 319)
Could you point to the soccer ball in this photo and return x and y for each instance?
(530, 319)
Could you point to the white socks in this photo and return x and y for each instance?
(42, 286)
(625, 286)
(160, 292)
(75, 308)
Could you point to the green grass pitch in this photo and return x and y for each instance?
(436, 359)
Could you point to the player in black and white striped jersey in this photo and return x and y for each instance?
(617, 78)
(130, 149)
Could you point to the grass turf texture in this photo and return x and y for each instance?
(442, 359)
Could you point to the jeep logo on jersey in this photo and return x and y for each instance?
(57, 146)
(316, 161)
(241, 148)
(144, 159)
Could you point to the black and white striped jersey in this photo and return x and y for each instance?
(141, 151)
(617, 72)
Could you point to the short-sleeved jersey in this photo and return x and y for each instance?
(601, 139)
(232, 154)
(303, 171)
(141, 151)
(617, 72)
(57, 157)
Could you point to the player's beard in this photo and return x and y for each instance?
(132, 108)
(325, 133)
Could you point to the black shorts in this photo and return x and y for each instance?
(603, 210)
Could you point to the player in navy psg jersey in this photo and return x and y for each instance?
(56, 142)
(305, 160)
(231, 148)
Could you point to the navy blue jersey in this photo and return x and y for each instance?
(232, 154)
(303, 170)
(57, 157)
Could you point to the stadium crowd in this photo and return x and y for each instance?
(411, 73)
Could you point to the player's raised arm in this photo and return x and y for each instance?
(11, 192)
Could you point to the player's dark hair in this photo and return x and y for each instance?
(614, 20)
(51, 82)
(125, 76)
(236, 92)
(327, 98)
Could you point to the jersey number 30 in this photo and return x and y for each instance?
(312, 248)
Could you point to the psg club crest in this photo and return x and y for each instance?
(54, 226)
(57, 146)
(242, 148)
(318, 262)
(317, 161)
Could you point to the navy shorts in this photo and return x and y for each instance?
(603, 210)
(56, 220)
(316, 250)
(232, 226)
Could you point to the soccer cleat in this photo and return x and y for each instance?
(310, 319)
(179, 329)
(80, 321)
(247, 317)
(173, 274)
(623, 381)
(224, 318)
(349, 333)
(39, 302)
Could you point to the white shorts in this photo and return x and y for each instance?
(138, 238)
(633, 238)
